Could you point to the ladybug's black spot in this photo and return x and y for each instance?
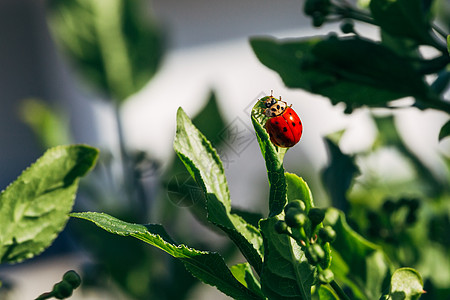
(278, 106)
(276, 123)
(293, 124)
(284, 129)
(273, 109)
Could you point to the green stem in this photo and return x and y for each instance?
(439, 30)
(339, 290)
(133, 188)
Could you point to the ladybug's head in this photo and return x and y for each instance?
(269, 101)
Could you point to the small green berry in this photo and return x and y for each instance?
(318, 19)
(281, 227)
(295, 218)
(314, 253)
(62, 290)
(326, 276)
(298, 204)
(73, 278)
(327, 234)
(316, 215)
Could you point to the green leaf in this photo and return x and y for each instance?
(403, 18)
(243, 273)
(286, 272)
(298, 189)
(448, 44)
(338, 175)
(445, 131)
(204, 165)
(35, 207)
(406, 284)
(326, 293)
(210, 122)
(111, 44)
(49, 125)
(351, 70)
(207, 266)
(273, 157)
(355, 257)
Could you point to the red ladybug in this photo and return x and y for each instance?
(283, 126)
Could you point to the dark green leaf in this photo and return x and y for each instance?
(286, 272)
(338, 175)
(352, 70)
(445, 131)
(204, 165)
(210, 121)
(404, 18)
(35, 207)
(273, 157)
(355, 257)
(207, 266)
(406, 284)
(110, 43)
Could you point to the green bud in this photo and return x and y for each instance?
(295, 218)
(327, 234)
(347, 26)
(312, 6)
(281, 227)
(62, 290)
(298, 204)
(326, 276)
(73, 278)
(318, 19)
(316, 215)
(314, 253)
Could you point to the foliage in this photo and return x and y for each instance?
(35, 207)
(298, 251)
(290, 262)
(115, 49)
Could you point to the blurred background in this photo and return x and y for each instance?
(65, 77)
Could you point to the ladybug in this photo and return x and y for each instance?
(283, 126)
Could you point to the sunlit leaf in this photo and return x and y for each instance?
(273, 156)
(207, 266)
(406, 284)
(35, 207)
(205, 166)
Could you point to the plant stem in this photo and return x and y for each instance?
(338, 290)
(439, 30)
(133, 188)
